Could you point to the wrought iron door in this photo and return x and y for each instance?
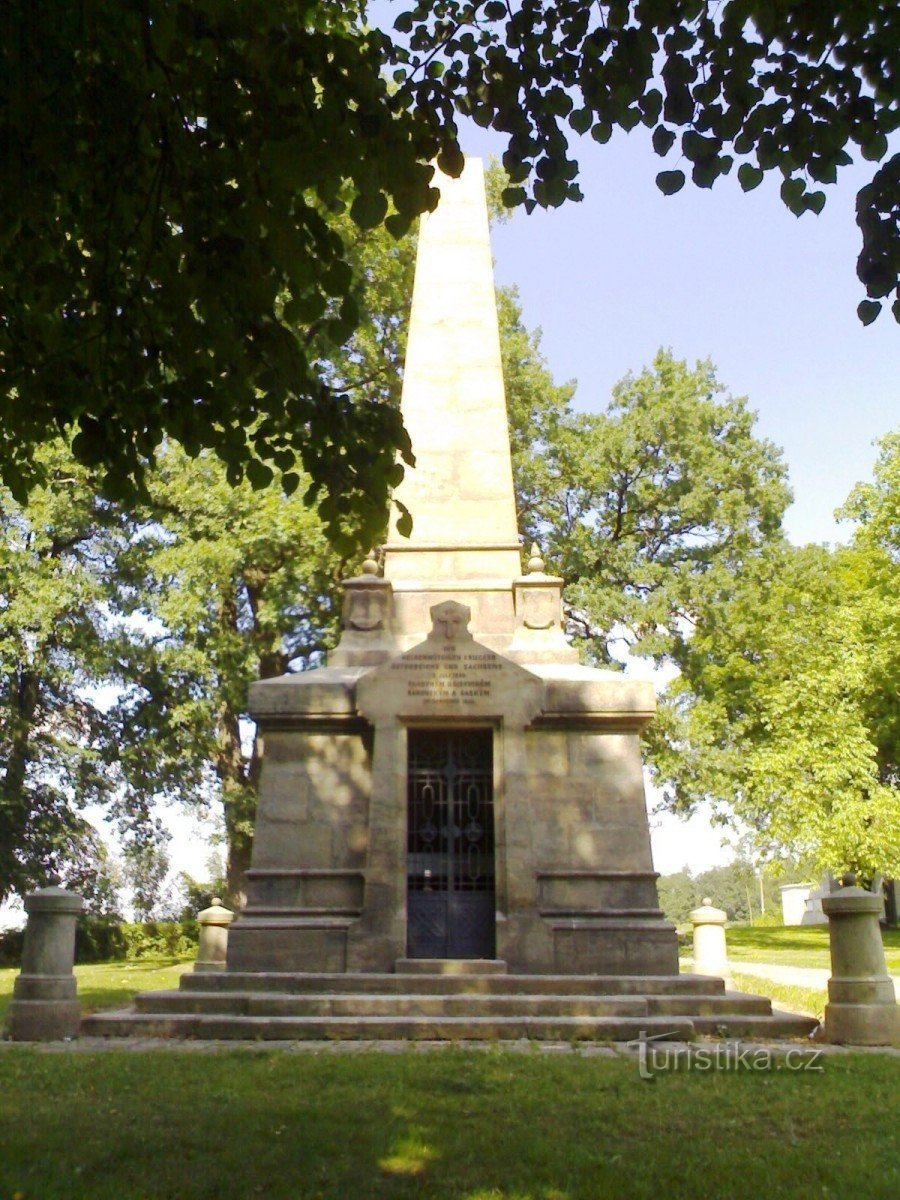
(450, 844)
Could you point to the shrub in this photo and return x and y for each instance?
(160, 939)
(11, 942)
(99, 939)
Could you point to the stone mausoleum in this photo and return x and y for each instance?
(451, 838)
(453, 784)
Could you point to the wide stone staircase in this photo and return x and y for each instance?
(445, 1000)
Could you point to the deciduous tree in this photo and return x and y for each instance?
(55, 561)
(645, 506)
(776, 717)
(169, 265)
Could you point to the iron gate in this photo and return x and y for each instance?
(450, 844)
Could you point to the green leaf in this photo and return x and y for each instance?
(750, 177)
(369, 209)
(513, 196)
(629, 118)
(792, 193)
(705, 172)
(670, 182)
(868, 310)
(651, 106)
(699, 148)
(398, 225)
(875, 148)
(663, 139)
(451, 160)
(815, 202)
(258, 474)
(581, 119)
(404, 524)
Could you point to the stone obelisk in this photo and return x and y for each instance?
(460, 493)
(453, 671)
(453, 804)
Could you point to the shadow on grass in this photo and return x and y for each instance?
(448, 1126)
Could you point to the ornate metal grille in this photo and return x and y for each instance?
(450, 844)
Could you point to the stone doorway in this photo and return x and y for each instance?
(450, 844)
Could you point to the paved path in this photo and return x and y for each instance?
(810, 977)
(521, 1046)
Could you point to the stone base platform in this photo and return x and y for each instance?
(440, 1005)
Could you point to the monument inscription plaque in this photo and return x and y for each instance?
(449, 675)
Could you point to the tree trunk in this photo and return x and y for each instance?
(238, 798)
(13, 805)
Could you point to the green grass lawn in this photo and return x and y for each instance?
(490, 1125)
(796, 946)
(108, 985)
(808, 1001)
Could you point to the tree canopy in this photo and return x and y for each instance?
(184, 184)
(130, 631)
(646, 507)
(785, 712)
(172, 262)
(791, 88)
(55, 559)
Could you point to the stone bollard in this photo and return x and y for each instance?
(710, 951)
(45, 1007)
(861, 1010)
(214, 922)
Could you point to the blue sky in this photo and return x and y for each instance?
(711, 273)
(719, 274)
(769, 298)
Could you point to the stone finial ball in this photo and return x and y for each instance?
(707, 902)
(535, 561)
(848, 880)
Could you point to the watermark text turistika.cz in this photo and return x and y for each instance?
(655, 1055)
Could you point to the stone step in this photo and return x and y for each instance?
(450, 966)
(430, 1004)
(732, 1003)
(384, 984)
(759, 1026)
(390, 1028)
(258, 1004)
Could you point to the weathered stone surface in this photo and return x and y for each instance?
(454, 638)
(213, 950)
(539, 635)
(710, 949)
(450, 676)
(460, 493)
(327, 692)
(861, 1010)
(44, 1006)
(480, 1004)
(366, 621)
(464, 543)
